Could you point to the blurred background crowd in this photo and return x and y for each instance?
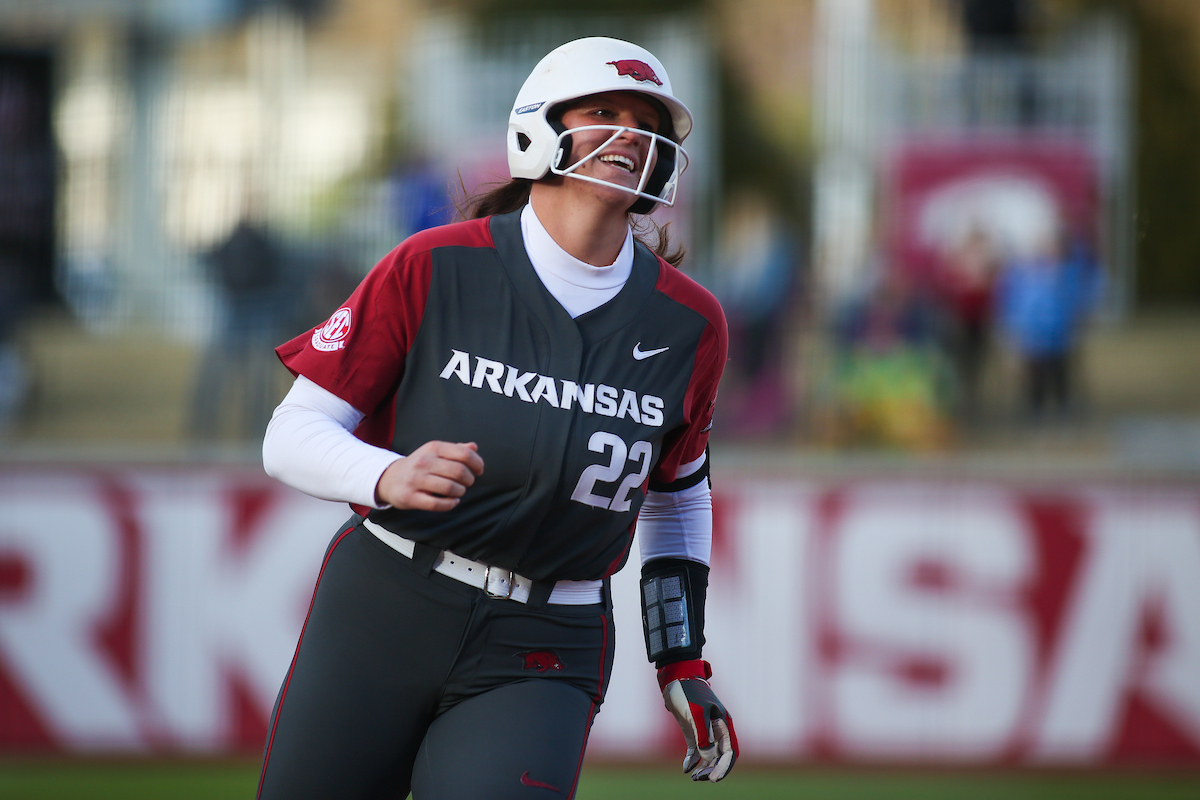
(936, 226)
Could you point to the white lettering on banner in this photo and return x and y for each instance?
(632, 721)
(891, 620)
(48, 638)
(759, 616)
(185, 530)
(211, 610)
(757, 621)
(1143, 556)
(938, 655)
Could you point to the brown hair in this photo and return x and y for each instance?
(502, 198)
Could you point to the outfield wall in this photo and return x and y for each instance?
(854, 619)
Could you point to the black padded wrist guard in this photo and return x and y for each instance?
(673, 591)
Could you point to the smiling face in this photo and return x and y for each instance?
(622, 161)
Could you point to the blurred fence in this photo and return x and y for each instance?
(218, 190)
(168, 144)
(334, 139)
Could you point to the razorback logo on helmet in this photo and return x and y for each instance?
(638, 70)
(540, 660)
(332, 335)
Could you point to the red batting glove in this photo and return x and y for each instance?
(712, 745)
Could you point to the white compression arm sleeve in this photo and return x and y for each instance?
(309, 445)
(677, 524)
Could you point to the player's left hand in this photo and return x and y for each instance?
(712, 745)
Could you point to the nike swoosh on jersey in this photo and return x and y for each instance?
(640, 354)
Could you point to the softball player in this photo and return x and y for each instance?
(498, 401)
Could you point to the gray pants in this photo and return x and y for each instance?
(406, 680)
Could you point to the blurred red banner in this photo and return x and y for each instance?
(154, 610)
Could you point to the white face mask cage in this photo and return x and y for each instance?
(667, 193)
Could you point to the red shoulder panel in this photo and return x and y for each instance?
(358, 354)
(688, 442)
(681, 288)
(471, 233)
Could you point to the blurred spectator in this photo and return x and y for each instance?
(756, 285)
(420, 196)
(890, 383)
(966, 283)
(326, 277)
(27, 213)
(1043, 300)
(237, 376)
(14, 375)
(892, 315)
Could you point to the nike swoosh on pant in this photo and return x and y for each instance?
(528, 781)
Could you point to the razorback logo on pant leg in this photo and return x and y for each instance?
(541, 660)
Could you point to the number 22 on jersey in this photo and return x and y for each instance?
(610, 473)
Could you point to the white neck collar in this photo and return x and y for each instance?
(567, 267)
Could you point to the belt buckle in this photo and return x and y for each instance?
(487, 584)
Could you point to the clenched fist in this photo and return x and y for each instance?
(431, 478)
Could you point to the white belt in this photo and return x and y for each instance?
(497, 582)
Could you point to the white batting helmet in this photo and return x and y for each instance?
(538, 144)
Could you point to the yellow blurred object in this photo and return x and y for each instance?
(890, 400)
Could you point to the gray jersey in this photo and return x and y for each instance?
(453, 336)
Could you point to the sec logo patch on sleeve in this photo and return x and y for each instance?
(332, 335)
